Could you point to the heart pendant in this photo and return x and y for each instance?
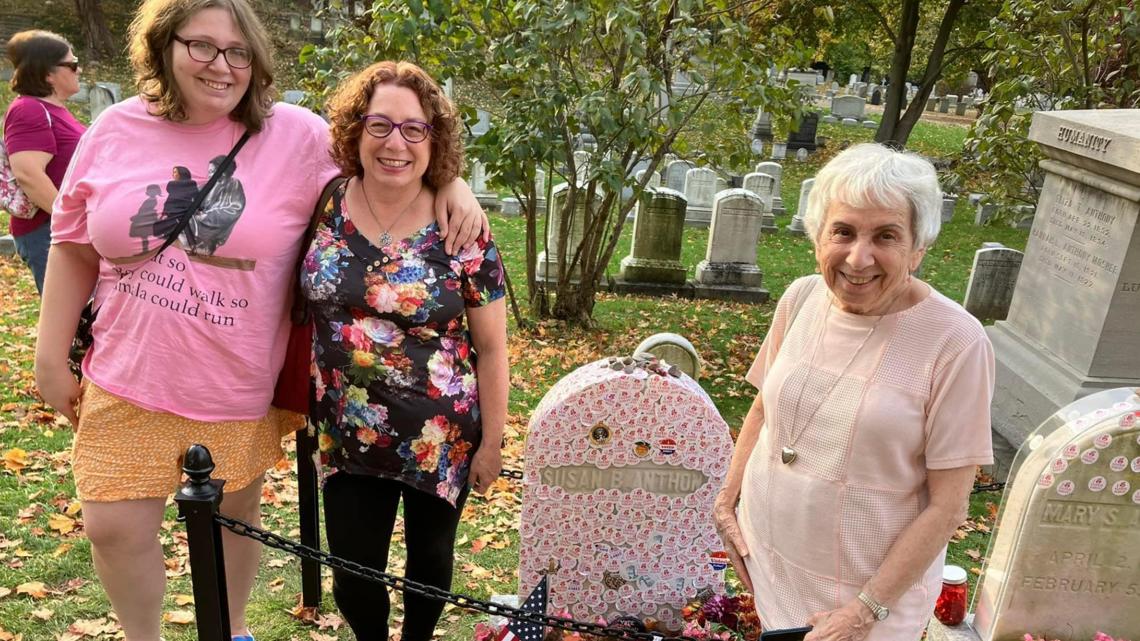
(787, 455)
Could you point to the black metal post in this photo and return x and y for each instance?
(309, 514)
(198, 502)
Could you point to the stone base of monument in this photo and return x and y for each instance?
(698, 216)
(1031, 384)
(726, 292)
(7, 245)
(729, 275)
(642, 288)
(796, 227)
(964, 631)
(664, 272)
(489, 202)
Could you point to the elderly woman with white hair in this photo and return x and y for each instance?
(855, 463)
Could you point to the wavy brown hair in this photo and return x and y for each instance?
(351, 102)
(152, 34)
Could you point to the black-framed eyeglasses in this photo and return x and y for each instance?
(202, 51)
(379, 126)
(70, 64)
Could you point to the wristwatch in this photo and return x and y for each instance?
(878, 610)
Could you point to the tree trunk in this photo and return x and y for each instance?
(898, 130)
(96, 34)
(900, 64)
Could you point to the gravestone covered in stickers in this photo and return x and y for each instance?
(623, 460)
(1064, 562)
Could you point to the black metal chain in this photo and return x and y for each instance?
(278, 542)
(988, 487)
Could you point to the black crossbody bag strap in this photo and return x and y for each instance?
(300, 311)
(202, 193)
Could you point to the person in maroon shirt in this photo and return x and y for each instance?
(40, 134)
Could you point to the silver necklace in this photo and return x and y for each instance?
(788, 452)
(386, 238)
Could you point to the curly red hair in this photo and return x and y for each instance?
(351, 101)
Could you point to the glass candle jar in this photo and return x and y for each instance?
(950, 608)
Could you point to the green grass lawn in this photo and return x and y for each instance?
(48, 589)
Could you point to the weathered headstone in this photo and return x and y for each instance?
(992, 278)
(729, 270)
(762, 185)
(1063, 559)
(655, 253)
(801, 154)
(478, 181)
(779, 150)
(540, 191)
(700, 187)
(7, 245)
(510, 206)
(776, 171)
(1072, 327)
(943, 104)
(293, 96)
(870, 124)
(654, 179)
(829, 119)
(796, 227)
(877, 96)
(963, 104)
(103, 95)
(762, 126)
(849, 122)
(623, 461)
(848, 107)
(948, 204)
(582, 168)
(548, 261)
(804, 137)
(931, 103)
(984, 212)
(482, 123)
(674, 349)
(675, 174)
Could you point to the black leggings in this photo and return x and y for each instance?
(360, 512)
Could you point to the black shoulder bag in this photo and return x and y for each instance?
(83, 338)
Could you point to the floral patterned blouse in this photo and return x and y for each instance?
(393, 366)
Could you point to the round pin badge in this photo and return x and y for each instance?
(718, 560)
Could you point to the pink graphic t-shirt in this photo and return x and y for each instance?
(200, 329)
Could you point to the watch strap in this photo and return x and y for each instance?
(879, 610)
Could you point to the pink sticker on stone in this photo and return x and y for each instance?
(1071, 451)
(1065, 488)
(1102, 441)
(1090, 456)
(1136, 497)
(1060, 465)
(1136, 465)
(1118, 464)
(1120, 488)
(1046, 480)
(1097, 483)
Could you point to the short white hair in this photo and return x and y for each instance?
(870, 175)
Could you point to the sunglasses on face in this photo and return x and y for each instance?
(70, 64)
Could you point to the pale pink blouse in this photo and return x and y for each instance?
(880, 401)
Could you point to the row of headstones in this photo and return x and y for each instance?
(951, 102)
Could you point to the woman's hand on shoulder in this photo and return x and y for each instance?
(60, 390)
(852, 622)
(461, 219)
(485, 467)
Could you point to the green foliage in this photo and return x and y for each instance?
(1048, 56)
(560, 69)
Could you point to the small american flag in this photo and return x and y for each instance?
(521, 630)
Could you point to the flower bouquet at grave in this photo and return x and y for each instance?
(720, 616)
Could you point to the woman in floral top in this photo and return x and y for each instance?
(410, 349)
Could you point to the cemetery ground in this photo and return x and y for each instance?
(48, 589)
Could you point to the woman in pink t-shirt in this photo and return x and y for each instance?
(188, 342)
(40, 134)
(854, 466)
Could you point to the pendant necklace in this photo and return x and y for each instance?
(788, 453)
(385, 237)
